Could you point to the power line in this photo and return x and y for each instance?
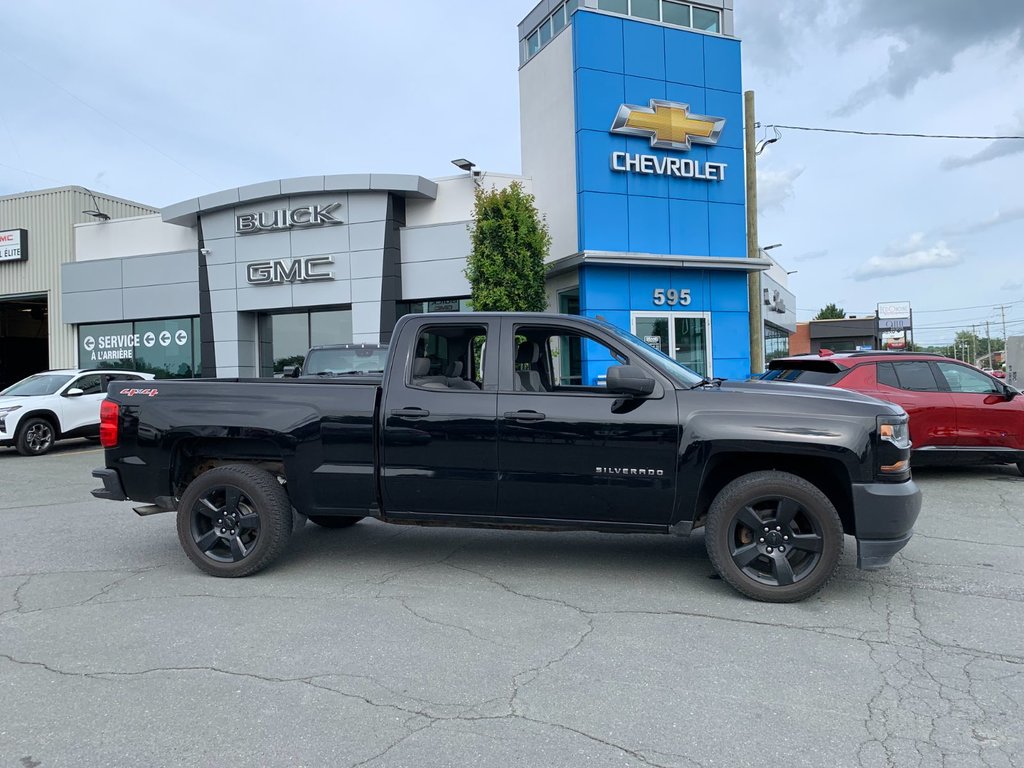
(109, 119)
(893, 133)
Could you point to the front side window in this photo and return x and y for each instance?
(450, 357)
(90, 385)
(960, 378)
(560, 360)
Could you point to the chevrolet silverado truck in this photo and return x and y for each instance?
(528, 421)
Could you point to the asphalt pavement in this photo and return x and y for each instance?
(398, 646)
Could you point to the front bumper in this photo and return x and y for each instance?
(884, 514)
(112, 488)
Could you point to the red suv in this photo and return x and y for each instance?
(958, 414)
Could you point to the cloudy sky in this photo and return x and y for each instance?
(161, 101)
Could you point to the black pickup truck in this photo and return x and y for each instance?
(531, 421)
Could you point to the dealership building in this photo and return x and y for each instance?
(632, 144)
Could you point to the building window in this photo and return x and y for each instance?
(675, 13)
(454, 304)
(683, 336)
(645, 9)
(776, 343)
(169, 349)
(285, 337)
(558, 20)
(668, 11)
(705, 20)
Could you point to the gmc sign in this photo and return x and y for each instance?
(278, 271)
(14, 245)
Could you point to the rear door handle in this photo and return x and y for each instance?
(524, 416)
(410, 413)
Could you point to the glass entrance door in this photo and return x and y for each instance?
(683, 336)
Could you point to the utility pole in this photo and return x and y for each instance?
(974, 344)
(988, 337)
(753, 247)
(1002, 314)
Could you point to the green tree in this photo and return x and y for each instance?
(510, 244)
(831, 312)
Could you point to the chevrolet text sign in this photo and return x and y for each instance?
(285, 218)
(14, 245)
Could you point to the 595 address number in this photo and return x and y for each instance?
(671, 297)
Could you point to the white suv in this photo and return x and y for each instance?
(55, 405)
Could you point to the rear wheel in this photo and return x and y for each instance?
(35, 436)
(234, 520)
(1020, 467)
(325, 521)
(774, 536)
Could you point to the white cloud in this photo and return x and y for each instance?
(1012, 285)
(775, 187)
(927, 36)
(912, 256)
(992, 151)
(997, 218)
(811, 255)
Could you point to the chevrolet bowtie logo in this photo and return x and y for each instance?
(668, 124)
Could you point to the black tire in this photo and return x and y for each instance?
(332, 521)
(234, 520)
(774, 537)
(36, 436)
(1020, 467)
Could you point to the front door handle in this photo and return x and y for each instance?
(410, 413)
(524, 416)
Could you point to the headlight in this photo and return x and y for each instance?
(895, 430)
(9, 408)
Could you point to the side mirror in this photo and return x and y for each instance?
(629, 380)
(1011, 392)
(74, 392)
(291, 371)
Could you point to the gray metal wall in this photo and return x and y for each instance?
(49, 215)
(134, 288)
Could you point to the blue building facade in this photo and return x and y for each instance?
(660, 240)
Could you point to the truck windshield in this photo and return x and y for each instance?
(677, 371)
(34, 386)
(334, 361)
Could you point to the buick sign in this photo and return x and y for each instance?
(286, 218)
(278, 271)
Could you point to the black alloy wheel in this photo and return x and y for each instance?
(35, 437)
(774, 536)
(234, 520)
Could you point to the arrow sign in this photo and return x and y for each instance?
(165, 338)
(180, 338)
(149, 339)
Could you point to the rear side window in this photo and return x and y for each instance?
(450, 357)
(913, 376)
(812, 372)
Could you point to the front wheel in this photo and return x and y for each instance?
(35, 437)
(234, 520)
(774, 536)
